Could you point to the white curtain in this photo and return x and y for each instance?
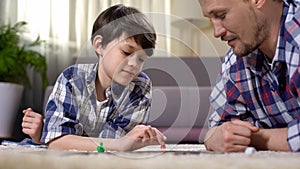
(66, 26)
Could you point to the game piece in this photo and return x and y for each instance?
(100, 148)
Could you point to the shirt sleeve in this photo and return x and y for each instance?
(294, 126)
(218, 101)
(294, 135)
(226, 98)
(61, 111)
(126, 120)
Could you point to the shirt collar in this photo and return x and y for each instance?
(256, 60)
(283, 37)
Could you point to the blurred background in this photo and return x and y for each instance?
(66, 26)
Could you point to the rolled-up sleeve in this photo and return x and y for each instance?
(293, 136)
(61, 111)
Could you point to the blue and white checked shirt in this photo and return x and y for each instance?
(73, 108)
(268, 95)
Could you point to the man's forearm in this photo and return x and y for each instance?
(208, 138)
(270, 139)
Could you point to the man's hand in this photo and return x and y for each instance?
(141, 136)
(233, 136)
(32, 124)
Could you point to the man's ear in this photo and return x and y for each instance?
(97, 43)
(259, 3)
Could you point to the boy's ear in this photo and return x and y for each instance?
(97, 43)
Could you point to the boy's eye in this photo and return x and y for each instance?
(126, 53)
(141, 60)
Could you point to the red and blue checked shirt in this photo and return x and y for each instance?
(73, 108)
(266, 94)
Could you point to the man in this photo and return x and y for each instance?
(257, 94)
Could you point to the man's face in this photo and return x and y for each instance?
(236, 22)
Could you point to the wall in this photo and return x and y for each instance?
(192, 33)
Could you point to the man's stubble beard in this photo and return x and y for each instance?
(259, 35)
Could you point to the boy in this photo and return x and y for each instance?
(106, 102)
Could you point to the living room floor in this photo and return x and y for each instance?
(174, 156)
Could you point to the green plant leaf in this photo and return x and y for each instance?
(15, 59)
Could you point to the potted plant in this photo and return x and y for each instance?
(16, 58)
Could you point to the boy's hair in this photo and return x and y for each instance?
(118, 20)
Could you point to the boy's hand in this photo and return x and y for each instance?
(32, 124)
(141, 136)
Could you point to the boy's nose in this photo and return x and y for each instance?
(132, 60)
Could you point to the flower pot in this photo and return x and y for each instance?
(10, 98)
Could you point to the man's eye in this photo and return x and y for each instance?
(221, 16)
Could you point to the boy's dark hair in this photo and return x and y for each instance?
(118, 20)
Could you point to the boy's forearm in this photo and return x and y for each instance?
(73, 142)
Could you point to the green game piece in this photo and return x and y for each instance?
(100, 148)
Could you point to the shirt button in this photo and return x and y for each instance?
(281, 86)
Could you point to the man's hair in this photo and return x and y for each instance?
(118, 20)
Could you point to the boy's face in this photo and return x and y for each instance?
(122, 60)
(237, 22)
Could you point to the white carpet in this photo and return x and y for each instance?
(176, 156)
